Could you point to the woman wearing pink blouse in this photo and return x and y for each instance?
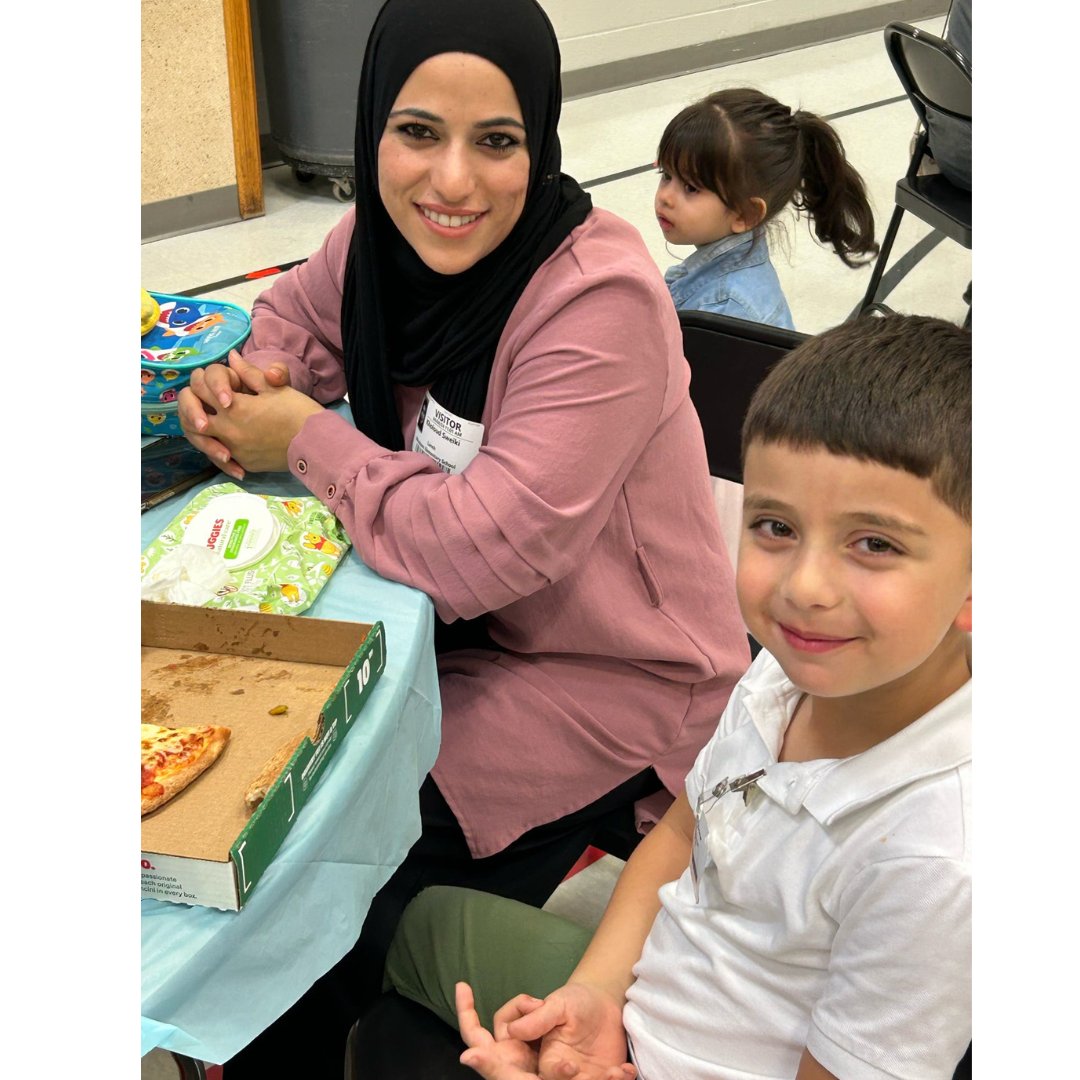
(523, 449)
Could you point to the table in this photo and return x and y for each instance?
(212, 980)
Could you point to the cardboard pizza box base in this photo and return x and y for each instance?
(231, 668)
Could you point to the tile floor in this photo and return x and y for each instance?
(849, 81)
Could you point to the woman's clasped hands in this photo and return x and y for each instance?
(575, 1033)
(243, 418)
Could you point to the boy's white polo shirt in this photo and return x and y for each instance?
(835, 906)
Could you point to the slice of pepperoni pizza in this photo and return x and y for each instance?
(173, 757)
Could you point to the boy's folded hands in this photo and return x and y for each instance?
(575, 1033)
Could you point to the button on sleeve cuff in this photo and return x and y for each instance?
(327, 453)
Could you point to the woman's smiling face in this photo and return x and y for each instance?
(453, 161)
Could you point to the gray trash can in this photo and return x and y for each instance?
(312, 52)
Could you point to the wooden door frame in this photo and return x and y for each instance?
(245, 113)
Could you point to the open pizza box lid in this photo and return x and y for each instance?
(231, 668)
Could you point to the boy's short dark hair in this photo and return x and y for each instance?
(893, 390)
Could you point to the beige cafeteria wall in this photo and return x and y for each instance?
(593, 32)
(187, 139)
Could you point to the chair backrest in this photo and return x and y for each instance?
(933, 74)
(728, 359)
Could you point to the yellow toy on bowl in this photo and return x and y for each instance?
(149, 312)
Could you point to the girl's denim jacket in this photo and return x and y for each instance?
(732, 276)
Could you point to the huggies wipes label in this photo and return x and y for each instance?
(238, 528)
(232, 549)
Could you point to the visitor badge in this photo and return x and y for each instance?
(450, 441)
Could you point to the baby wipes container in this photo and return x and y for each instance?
(229, 548)
(188, 334)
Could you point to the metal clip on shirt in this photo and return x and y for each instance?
(740, 783)
(699, 852)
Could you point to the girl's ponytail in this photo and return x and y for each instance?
(743, 145)
(832, 193)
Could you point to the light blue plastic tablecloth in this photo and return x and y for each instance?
(212, 980)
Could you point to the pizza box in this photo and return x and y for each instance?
(237, 668)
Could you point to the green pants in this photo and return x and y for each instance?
(499, 947)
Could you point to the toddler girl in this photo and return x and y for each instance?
(728, 165)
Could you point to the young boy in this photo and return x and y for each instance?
(804, 909)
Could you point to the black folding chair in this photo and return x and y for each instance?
(963, 1066)
(728, 359)
(934, 75)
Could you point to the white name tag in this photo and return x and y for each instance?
(450, 441)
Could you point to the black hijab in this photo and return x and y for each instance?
(401, 321)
